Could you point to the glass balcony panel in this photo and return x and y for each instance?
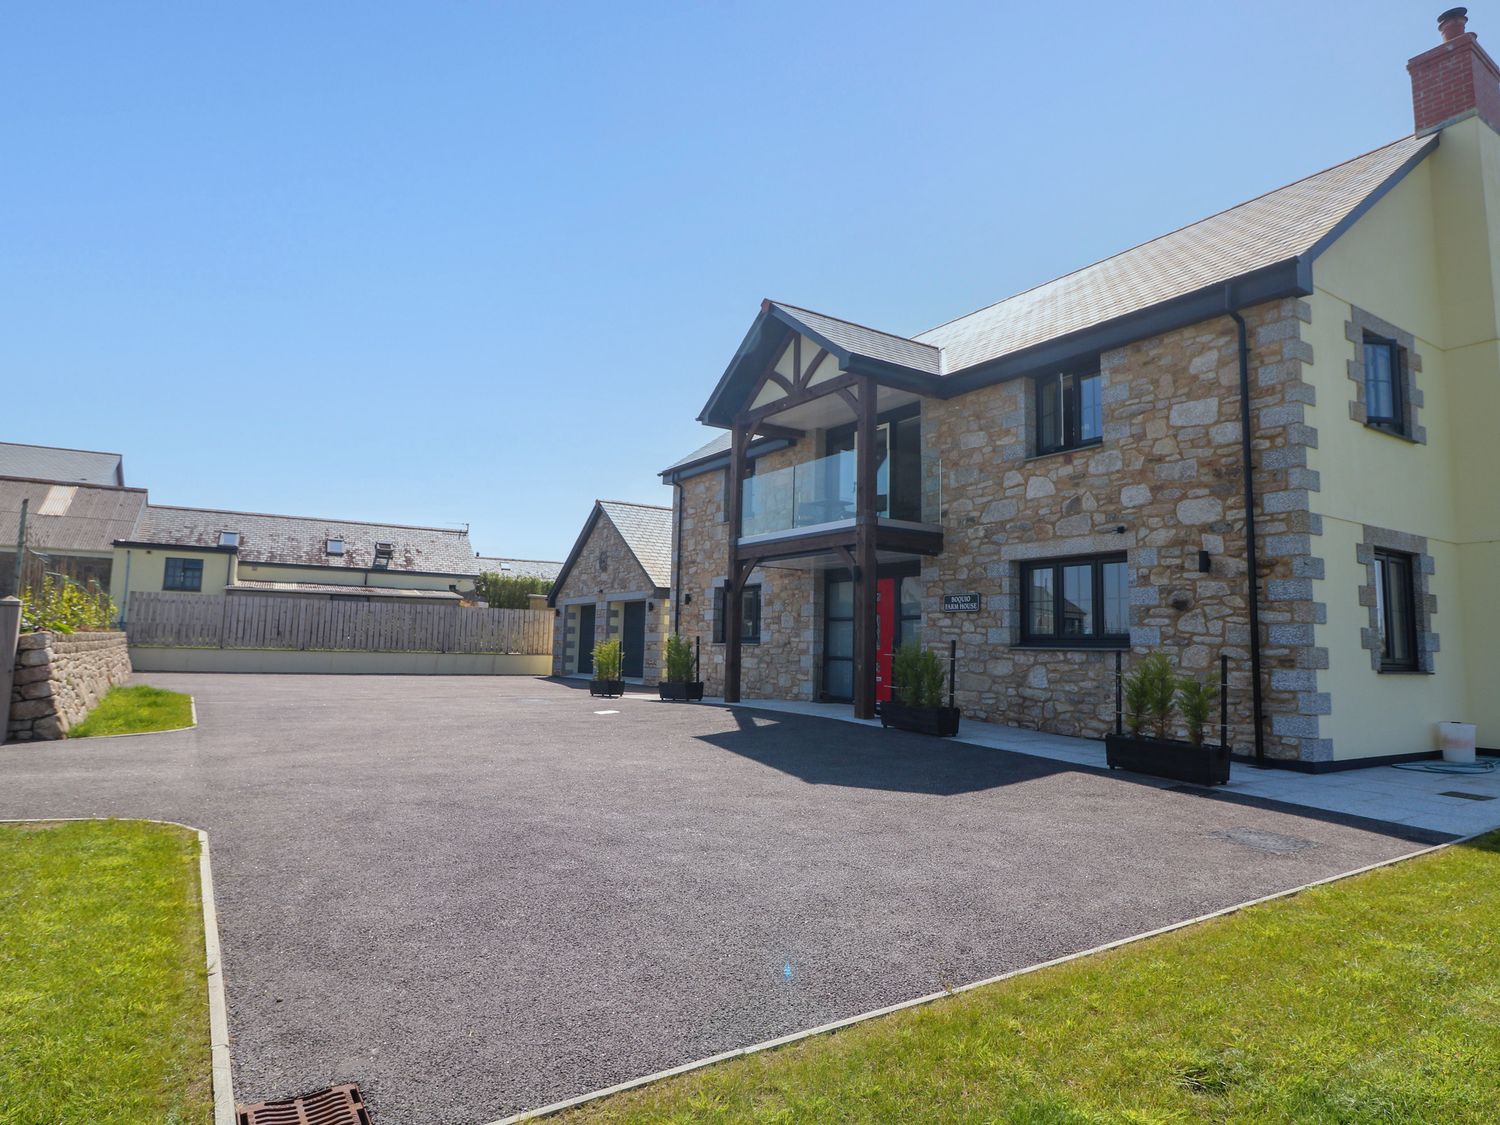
(908, 487)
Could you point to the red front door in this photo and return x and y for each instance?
(885, 636)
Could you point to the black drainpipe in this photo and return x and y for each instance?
(677, 556)
(1252, 553)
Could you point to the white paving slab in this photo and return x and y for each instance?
(1409, 796)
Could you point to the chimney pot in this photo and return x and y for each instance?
(1452, 22)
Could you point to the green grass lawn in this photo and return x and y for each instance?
(1375, 999)
(135, 710)
(103, 1005)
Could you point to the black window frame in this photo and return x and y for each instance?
(1056, 638)
(750, 626)
(1403, 566)
(183, 567)
(1070, 408)
(1396, 422)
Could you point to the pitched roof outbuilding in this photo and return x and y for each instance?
(646, 530)
(303, 540)
(68, 517)
(520, 568)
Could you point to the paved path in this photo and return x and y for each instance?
(477, 895)
(1427, 796)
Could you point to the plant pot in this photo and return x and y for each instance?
(1168, 757)
(684, 690)
(607, 688)
(939, 721)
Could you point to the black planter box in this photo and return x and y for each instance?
(939, 721)
(1167, 757)
(682, 690)
(607, 688)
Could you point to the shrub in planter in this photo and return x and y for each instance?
(679, 682)
(1152, 695)
(916, 702)
(607, 681)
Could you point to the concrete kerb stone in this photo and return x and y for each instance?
(919, 1001)
(218, 1006)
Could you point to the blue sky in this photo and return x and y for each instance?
(482, 262)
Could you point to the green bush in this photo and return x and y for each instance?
(60, 606)
(918, 676)
(509, 591)
(1151, 696)
(1195, 699)
(679, 660)
(607, 659)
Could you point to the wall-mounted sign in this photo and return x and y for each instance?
(961, 603)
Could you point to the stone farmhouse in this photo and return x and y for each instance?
(1260, 437)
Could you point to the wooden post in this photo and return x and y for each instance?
(734, 592)
(865, 581)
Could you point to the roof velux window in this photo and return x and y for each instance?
(383, 553)
(335, 546)
(229, 538)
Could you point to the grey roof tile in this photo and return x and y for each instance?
(871, 342)
(46, 462)
(647, 531)
(521, 568)
(1269, 229)
(302, 540)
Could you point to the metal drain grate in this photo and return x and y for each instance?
(1467, 796)
(342, 1105)
(1263, 841)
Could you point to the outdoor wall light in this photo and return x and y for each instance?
(1205, 562)
(687, 599)
(650, 607)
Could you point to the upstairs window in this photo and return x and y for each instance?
(335, 546)
(749, 626)
(1076, 602)
(1395, 611)
(1069, 411)
(229, 538)
(183, 574)
(1385, 398)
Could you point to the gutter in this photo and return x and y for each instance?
(1252, 549)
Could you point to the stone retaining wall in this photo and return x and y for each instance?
(60, 678)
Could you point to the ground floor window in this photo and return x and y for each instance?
(183, 574)
(750, 622)
(1395, 610)
(1078, 601)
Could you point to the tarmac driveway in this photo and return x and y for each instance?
(474, 896)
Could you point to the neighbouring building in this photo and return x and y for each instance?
(70, 528)
(615, 583)
(1260, 437)
(204, 550)
(519, 568)
(67, 466)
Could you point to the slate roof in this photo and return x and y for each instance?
(336, 588)
(1271, 228)
(302, 540)
(46, 462)
(68, 517)
(856, 339)
(647, 531)
(521, 568)
(1265, 246)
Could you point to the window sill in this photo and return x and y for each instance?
(743, 644)
(1085, 447)
(1404, 672)
(1390, 433)
(1074, 646)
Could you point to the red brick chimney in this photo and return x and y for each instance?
(1455, 78)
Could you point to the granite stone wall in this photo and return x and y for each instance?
(1164, 484)
(60, 678)
(605, 567)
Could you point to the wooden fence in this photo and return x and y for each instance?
(314, 624)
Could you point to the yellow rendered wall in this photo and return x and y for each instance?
(147, 566)
(351, 576)
(1423, 258)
